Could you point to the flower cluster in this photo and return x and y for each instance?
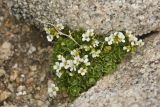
(133, 42)
(78, 61)
(72, 64)
(53, 32)
(117, 37)
(52, 90)
(86, 36)
(92, 45)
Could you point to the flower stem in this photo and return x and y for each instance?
(69, 36)
(102, 45)
(60, 33)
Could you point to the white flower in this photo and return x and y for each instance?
(50, 38)
(95, 53)
(118, 37)
(132, 38)
(133, 43)
(58, 73)
(128, 32)
(82, 71)
(86, 60)
(52, 90)
(77, 60)
(74, 52)
(126, 48)
(65, 64)
(85, 47)
(109, 40)
(95, 43)
(60, 26)
(61, 58)
(121, 37)
(71, 65)
(140, 42)
(90, 32)
(68, 64)
(47, 30)
(85, 37)
(137, 42)
(57, 66)
(73, 68)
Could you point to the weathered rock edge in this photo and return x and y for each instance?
(138, 16)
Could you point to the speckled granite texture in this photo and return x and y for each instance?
(136, 83)
(139, 16)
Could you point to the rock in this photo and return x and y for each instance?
(10, 87)
(33, 68)
(21, 93)
(21, 90)
(8, 105)
(42, 104)
(139, 16)
(135, 84)
(5, 52)
(31, 50)
(4, 95)
(2, 72)
(42, 76)
(14, 75)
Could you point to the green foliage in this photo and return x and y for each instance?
(106, 63)
(80, 58)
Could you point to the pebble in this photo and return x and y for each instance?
(10, 87)
(42, 76)
(2, 72)
(33, 68)
(21, 88)
(4, 95)
(31, 49)
(14, 75)
(5, 51)
(22, 75)
(37, 96)
(15, 65)
(8, 105)
(21, 93)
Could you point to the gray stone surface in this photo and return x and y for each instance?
(139, 16)
(136, 83)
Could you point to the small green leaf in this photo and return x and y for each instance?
(107, 49)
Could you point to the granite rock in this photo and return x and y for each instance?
(136, 83)
(138, 16)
